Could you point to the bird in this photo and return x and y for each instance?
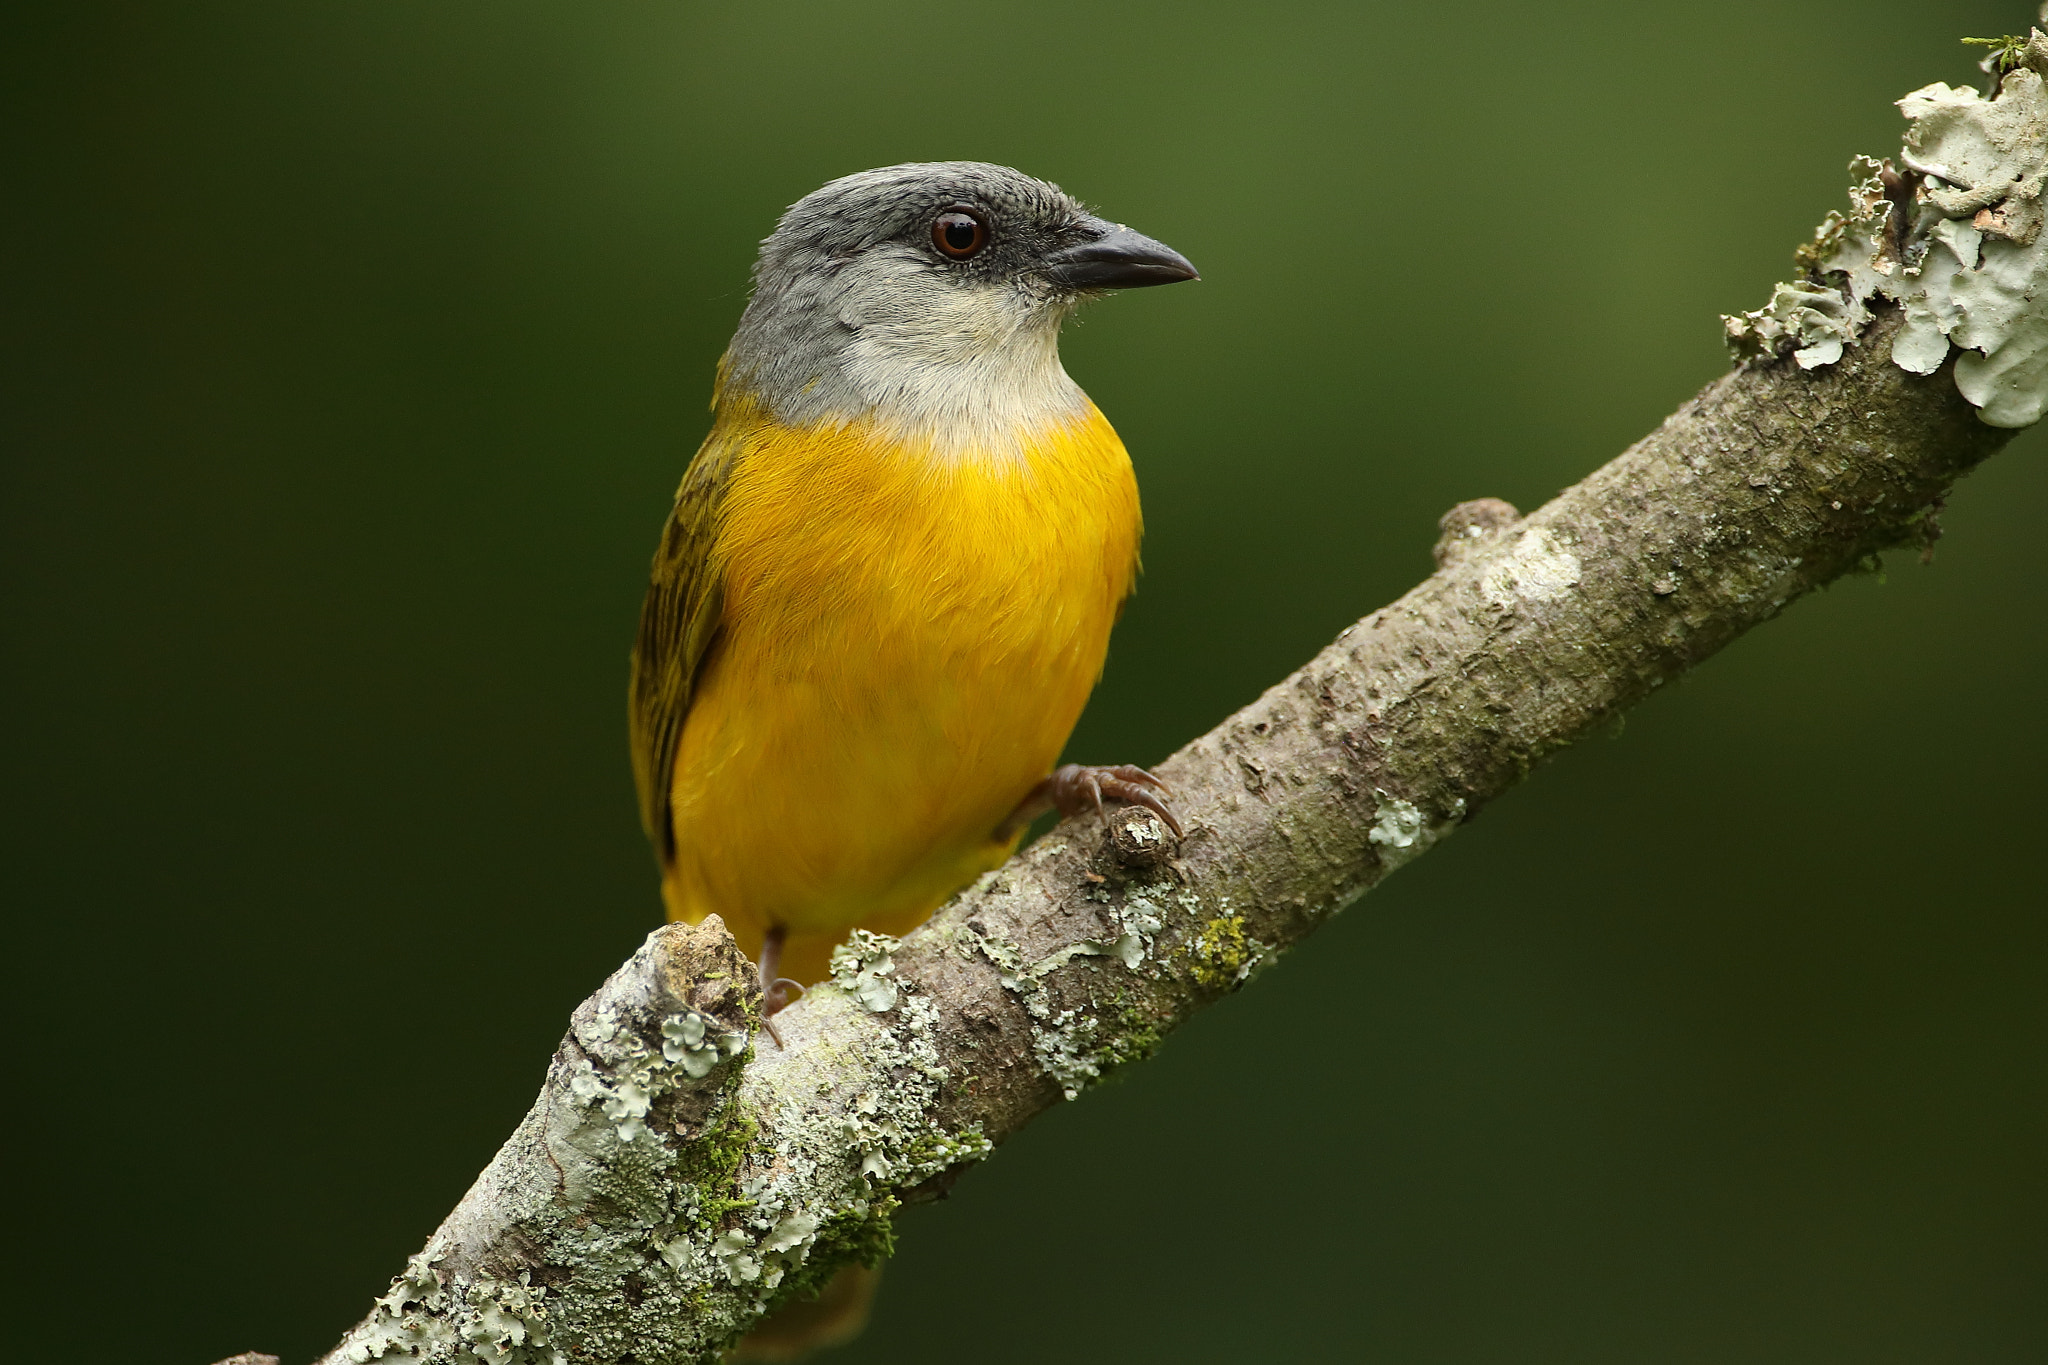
(886, 586)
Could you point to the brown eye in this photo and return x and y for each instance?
(959, 234)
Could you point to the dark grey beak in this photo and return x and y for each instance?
(1119, 259)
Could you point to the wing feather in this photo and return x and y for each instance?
(679, 624)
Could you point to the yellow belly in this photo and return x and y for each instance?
(908, 640)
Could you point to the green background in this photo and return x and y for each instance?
(354, 351)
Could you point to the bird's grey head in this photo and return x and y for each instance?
(928, 298)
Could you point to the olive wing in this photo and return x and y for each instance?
(679, 623)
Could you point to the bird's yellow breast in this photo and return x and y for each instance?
(908, 637)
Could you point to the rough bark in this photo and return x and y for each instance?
(674, 1180)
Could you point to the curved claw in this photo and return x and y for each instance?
(774, 1000)
(775, 988)
(1131, 772)
(1075, 787)
(1094, 785)
(1132, 794)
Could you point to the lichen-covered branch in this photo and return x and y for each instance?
(675, 1179)
(1952, 234)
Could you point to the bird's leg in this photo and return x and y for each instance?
(774, 989)
(1075, 788)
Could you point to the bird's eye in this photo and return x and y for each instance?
(959, 234)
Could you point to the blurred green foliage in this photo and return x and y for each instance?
(354, 351)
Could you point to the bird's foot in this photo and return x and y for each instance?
(775, 990)
(1077, 788)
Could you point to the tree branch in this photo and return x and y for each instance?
(673, 1181)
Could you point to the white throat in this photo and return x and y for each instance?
(960, 372)
(959, 387)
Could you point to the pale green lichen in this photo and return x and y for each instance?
(1985, 282)
(1814, 318)
(680, 1200)
(428, 1316)
(864, 967)
(1075, 1047)
(820, 1191)
(1970, 265)
(743, 1257)
(692, 1041)
(1402, 831)
(867, 1237)
(1063, 1041)
(636, 1075)
(510, 1326)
